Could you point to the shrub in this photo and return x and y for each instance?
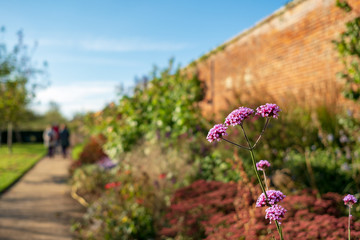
(90, 153)
(213, 167)
(159, 111)
(90, 180)
(122, 212)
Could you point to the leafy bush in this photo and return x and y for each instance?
(91, 152)
(161, 110)
(76, 151)
(122, 212)
(327, 166)
(90, 180)
(214, 167)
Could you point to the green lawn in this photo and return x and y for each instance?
(13, 166)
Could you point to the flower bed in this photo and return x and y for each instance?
(216, 210)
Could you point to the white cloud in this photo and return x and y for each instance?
(77, 97)
(93, 61)
(112, 45)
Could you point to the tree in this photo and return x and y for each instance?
(16, 89)
(53, 114)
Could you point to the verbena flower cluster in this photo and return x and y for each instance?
(268, 110)
(217, 132)
(262, 165)
(349, 200)
(275, 212)
(237, 116)
(273, 198)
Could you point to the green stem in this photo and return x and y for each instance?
(279, 229)
(349, 223)
(259, 180)
(235, 144)
(254, 164)
(267, 189)
(262, 132)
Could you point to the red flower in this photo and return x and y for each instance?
(162, 175)
(112, 185)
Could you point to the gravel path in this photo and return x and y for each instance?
(39, 206)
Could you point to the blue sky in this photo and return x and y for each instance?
(93, 46)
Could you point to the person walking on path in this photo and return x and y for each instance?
(64, 139)
(49, 140)
(56, 130)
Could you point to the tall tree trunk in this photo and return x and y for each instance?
(9, 136)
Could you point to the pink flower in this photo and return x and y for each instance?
(349, 200)
(273, 198)
(275, 212)
(237, 116)
(216, 133)
(262, 165)
(268, 110)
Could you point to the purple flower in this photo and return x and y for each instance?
(217, 132)
(262, 165)
(349, 200)
(106, 163)
(237, 116)
(275, 212)
(273, 198)
(268, 110)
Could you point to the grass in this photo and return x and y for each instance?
(13, 166)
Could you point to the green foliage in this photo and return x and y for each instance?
(76, 151)
(343, 5)
(14, 98)
(16, 70)
(332, 171)
(215, 167)
(121, 211)
(161, 110)
(348, 46)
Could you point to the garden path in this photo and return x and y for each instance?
(39, 206)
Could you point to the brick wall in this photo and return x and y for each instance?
(289, 51)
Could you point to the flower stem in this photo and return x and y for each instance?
(262, 132)
(349, 223)
(254, 164)
(279, 229)
(258, 178)
(235, 144)
(267, 189)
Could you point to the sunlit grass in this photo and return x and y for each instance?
(13, 166)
